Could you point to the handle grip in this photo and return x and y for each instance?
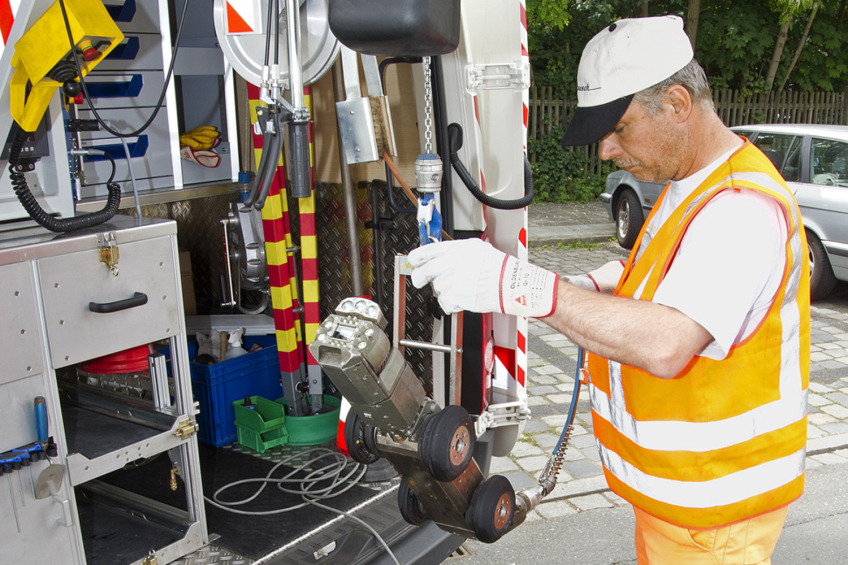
(138, 299)
(301, 177)
(40, 419)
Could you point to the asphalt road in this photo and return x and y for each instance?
(816, 532)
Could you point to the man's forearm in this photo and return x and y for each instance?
(652, 337)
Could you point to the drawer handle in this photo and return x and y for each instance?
(138, 299)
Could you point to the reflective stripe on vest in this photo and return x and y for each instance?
(723, 440)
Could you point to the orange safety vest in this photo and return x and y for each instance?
(723, 440)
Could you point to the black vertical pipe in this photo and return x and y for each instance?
(376, 234)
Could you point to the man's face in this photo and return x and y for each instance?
(646, 146)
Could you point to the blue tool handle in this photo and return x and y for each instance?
(40, 419)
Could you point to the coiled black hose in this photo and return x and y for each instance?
(455, 137)
(34, 209)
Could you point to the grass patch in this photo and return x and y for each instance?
(526, 438)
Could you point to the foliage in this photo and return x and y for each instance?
(735, 44)
(548, 14)
(555, 52)
(735, 41)
(561, 176)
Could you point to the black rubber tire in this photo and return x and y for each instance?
(354, 436)
(446, 443)
(822, 279)
(410, 506)
(492, 508)
(628, 218)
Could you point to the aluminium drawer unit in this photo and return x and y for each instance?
(65, 300)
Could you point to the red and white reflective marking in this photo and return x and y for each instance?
(344, 410)
(243, 17)
(521, 326)
(8, 10)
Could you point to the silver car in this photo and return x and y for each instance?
(813, 160)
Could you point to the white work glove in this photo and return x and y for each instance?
(470, 274)
(602, 279)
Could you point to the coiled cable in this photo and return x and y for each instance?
(34, 209)
(342, 474)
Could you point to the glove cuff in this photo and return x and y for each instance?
(527, 290)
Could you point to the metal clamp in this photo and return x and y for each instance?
(186, 429)
(493, 76)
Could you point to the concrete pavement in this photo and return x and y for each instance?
(816, 532)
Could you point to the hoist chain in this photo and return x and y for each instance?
(428, 96)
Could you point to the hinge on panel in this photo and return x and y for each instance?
(498, 75)
(108, 248)
(186, 428)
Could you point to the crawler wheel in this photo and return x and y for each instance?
(446, 443)
(492, 508)
(410, 507)
(359, 445)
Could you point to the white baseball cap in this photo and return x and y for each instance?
(626, 57)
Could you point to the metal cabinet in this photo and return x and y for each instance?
(67, 299)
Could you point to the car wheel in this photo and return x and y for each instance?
(822, 279)
(628, 218)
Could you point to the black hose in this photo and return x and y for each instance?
(455, 137)
(389, 186)
(34, 209)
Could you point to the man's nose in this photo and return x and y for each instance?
(609, 148)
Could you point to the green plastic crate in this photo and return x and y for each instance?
(262, 441)
(268, 415)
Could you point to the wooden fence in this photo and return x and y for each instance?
(790, 107)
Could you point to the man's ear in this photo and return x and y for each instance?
(680, 101)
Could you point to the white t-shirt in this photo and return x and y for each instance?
(729, 264)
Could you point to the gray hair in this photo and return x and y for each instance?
(691, 77)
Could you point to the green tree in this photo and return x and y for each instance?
(548, 14)
(801, 45)
(788, 10)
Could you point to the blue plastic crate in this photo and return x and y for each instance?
(217, 386)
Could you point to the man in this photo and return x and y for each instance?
(699, 362)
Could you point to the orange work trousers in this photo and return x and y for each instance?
(747, 542)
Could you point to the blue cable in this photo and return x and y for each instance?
(573, 406)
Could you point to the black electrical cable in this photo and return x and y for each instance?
(34, 209)
(389, 185)
(268, 33)
(455, 141)
(100, 120)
